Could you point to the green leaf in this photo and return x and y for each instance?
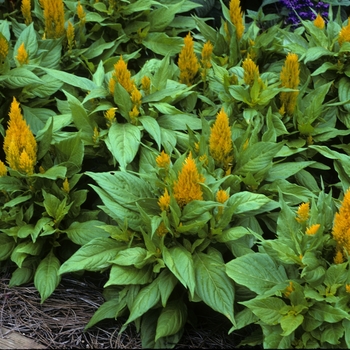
(166, 282)
(7, 245)
(286, 169)
(136, 256)
(108, 309)
(213, 285)
(179, 122)
(313, 53)
(232, 234)
(172, 319)
(196, 208)
(324, 312)
(123, 142)
(179, 261)
(162, 44)
(19, 78)
(122, 100)
(25, 273)
(93, 256)
(332, 333)
(54, 173)
(268, 309)
(245, 202)
(257, 271)
(290, 323)
(83, 232)
(71, 79)
(46, 277)
(125, 275)
(152, 127)
(145, 300)
(256, 158)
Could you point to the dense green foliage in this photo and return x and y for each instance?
(130, 182)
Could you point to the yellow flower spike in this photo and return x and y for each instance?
(110, 116)
(123, 76)
(187, 186)
(162, 230)
(96, 135)
(146, 84)
(207, 51)
(4, 48)
(136, 97)
(341, 227)
(220, 142)
(221, 196)
(41, 169)
(3, 169)
(319, 22)
(164, 201)
(133, 114)
(54, 18)
(70, 35)
(163, 160)
(236, 16)
(290, 79)
(347, 288)
(22, 55)
(65, 186)
(251, 71)
(303, 212)
(26, 11)
(20, 146)
(338, 258)
(81, 13)
(312, 230)
(188, 62)
(344, 34)
(289, 289)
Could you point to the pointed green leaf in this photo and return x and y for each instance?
(257, 271)
(46, 277)
(123, 142)
(93, 256)
(213, 285)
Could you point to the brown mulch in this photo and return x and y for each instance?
(59, 322)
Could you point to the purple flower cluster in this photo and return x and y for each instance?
(302, 8)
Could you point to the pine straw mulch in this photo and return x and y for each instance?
(59, 322)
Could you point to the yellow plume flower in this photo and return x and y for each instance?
(344, 34)
(347, 288)
(3, 169)
(312, 230)
(236, 17)
(65, 186)
(22, 55)
(319, 21)
(290, 79)
(187, 186)
(110, 116)
(146, 84)
(163, 160)
(26, 11)
(220, 142)
(341, 227)
(122, 75)
(303, 212)
(207, 51)
(20, 146)
(188, 62)
(221, 196)
(54, 18)
(164, 201)
(289, 289)
(81, 13)
(70, 35)
(251, 71)
(338, 259)
(4, 48)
